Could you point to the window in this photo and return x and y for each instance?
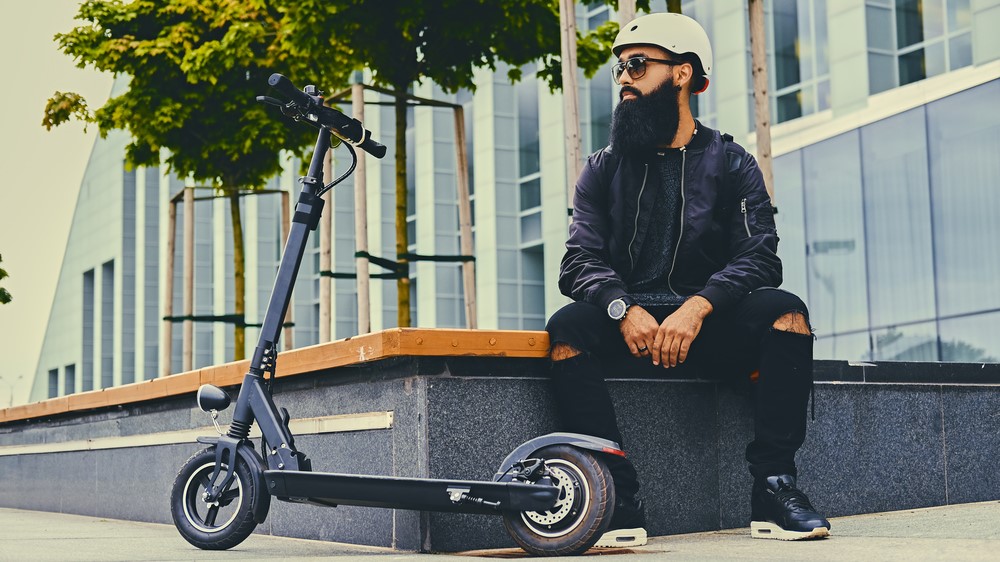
(108, 324)
(87, 364)
(909, 40)
(69, 379)
(53, 383)
(798, 59)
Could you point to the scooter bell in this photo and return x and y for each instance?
(211, 397)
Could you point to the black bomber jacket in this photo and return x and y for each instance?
(727, 245)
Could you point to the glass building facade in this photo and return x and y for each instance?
(885, 135)
(900, 232)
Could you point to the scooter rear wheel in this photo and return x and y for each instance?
(583, 509)
(219, 525)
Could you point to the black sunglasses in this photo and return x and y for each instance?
(636, 67)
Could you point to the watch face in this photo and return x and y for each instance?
(616, 310)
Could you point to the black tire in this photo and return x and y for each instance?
(224, 524)
(582, 512)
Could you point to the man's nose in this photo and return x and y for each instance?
(624, 79)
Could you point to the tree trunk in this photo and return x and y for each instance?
(402, 239)
(571, 93)
(674, 6)
(239, 273)
(762, 107)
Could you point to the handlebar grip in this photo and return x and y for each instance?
(286, 88)
(372, 147)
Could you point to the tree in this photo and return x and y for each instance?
(194, 69)
(4, 294)
(405, 41)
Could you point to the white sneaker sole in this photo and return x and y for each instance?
(765, 530)
(622, 538)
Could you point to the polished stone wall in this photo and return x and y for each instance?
(885, 436)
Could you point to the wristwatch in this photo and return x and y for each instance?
(618, 308)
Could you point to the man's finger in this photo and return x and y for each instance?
(685, 347)
(655, 350)
(675, 350)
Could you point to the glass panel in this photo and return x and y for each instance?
(531, 227)
(935, 59)
(959, 15)
(971, 339)
(786, 36)
(897, 219)
(789, 106)
(933, 18)
(911, 67)
(531, 194)
(534, 299)
(601, 105)
(823, 95)
(597, 19)
(53, 383)
(881, 73)
(532, 265)
(963, 140)
(909, 29)
(850, 347)
(805, 43)
(822, 38)
(835, 235)
(69, 379)
(879, 24)
(916, 342)
(527, 125)
(960, 51)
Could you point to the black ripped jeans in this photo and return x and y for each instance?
(730, 346)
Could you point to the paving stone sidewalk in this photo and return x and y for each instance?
(953, 533)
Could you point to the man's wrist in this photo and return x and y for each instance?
(702, 306)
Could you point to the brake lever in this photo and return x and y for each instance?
(270, 101)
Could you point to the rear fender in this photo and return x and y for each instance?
(527, 449)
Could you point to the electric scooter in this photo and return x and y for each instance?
(554, 492)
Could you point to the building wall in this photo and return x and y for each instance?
(884, 178)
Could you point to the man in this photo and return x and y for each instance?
(671, 261)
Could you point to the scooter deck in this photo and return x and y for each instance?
(423, 494)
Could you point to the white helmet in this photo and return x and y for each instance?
(676, 33)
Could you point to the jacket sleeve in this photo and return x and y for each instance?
(585, 273)
(753, 243)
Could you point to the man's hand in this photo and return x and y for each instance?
(674, 336)
(638, 328)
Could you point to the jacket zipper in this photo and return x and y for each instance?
(680, 231)
(637, 208)
(743, 209)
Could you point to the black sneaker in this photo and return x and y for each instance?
(628, 526)
(781, 511)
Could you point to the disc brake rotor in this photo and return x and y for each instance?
(568, 489)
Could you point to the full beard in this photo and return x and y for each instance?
(647, 121)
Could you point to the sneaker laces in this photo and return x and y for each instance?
(792, 497)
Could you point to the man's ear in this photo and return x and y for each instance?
(683, 74)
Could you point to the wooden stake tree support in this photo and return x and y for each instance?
(364, 258)
(188, 318)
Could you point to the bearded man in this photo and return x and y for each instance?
(671, 262)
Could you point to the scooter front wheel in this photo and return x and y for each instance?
(582, 511)
(217, 525)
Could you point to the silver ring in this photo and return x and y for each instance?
(643, 349)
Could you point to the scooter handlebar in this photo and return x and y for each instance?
(285, 87)
(347, 128)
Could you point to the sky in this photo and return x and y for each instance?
(41, 173)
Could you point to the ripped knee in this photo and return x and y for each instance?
(561, 351)
(794, 322)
